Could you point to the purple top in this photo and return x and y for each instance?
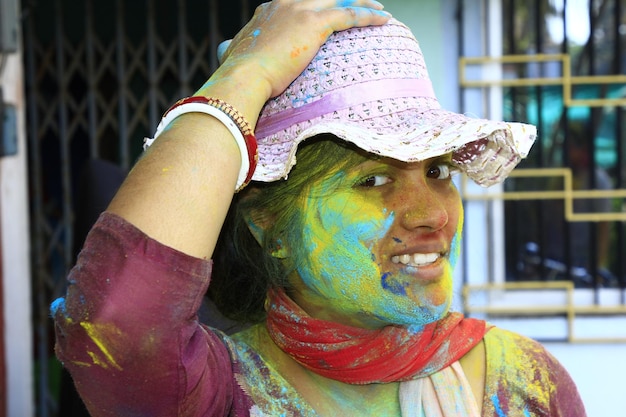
(129, 334)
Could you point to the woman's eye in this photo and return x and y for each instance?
(441, 171)
(374, 181)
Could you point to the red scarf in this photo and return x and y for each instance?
(362, 356)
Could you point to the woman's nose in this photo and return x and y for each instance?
(425, 207)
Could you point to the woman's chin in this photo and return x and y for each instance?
(414, 313)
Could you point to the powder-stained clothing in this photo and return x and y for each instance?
(128, 332)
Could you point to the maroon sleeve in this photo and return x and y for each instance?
(128, 332)
(524, 379)
(565, 400)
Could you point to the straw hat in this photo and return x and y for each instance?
(370, 86)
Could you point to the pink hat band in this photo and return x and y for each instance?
(370, 86)
(344, 98)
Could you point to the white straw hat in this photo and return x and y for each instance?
(370, 86)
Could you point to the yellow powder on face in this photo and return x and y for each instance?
(338, 233)
(339, 261)
(437, 295)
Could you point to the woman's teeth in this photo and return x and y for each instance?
(417, 259)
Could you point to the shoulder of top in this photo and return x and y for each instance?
(502, 342)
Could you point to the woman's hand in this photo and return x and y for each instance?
(284, 36)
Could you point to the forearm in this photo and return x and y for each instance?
(180, 190)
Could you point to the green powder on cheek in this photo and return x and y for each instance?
(338, 233)
(455, 249)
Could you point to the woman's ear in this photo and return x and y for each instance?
(259, 226)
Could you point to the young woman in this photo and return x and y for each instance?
(340, 261)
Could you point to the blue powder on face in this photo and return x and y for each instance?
(455, 249)
(392, 286)
(256, 33)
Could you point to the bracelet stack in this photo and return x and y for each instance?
(234, 121)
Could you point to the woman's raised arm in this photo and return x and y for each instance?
(179, 192)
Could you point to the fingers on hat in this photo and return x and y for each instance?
(363, 3)
(361, 7)
(355, 15)
(221, 50)
(323, 4)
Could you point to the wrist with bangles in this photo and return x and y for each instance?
(234, 121)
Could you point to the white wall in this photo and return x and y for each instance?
(428, 20)
(15, 254)
(598, 370)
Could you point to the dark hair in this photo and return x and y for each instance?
(244, 269)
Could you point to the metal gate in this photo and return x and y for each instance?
(567, 61)
(562, 67)
(98, 77)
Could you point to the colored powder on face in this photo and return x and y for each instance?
(338, 260)
(455, 247)
(338, 231)
(256, 33)
(339, 242)
(394, 287)
(209, 83)
(432, 302)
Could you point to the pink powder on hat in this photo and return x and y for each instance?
(370, 86)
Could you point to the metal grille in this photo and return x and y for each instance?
(562, 67)
(98, 77)
(585, 134)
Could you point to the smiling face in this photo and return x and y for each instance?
(377, 243)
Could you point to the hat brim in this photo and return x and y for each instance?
(486, 150)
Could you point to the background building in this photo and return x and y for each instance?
(83, 82)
